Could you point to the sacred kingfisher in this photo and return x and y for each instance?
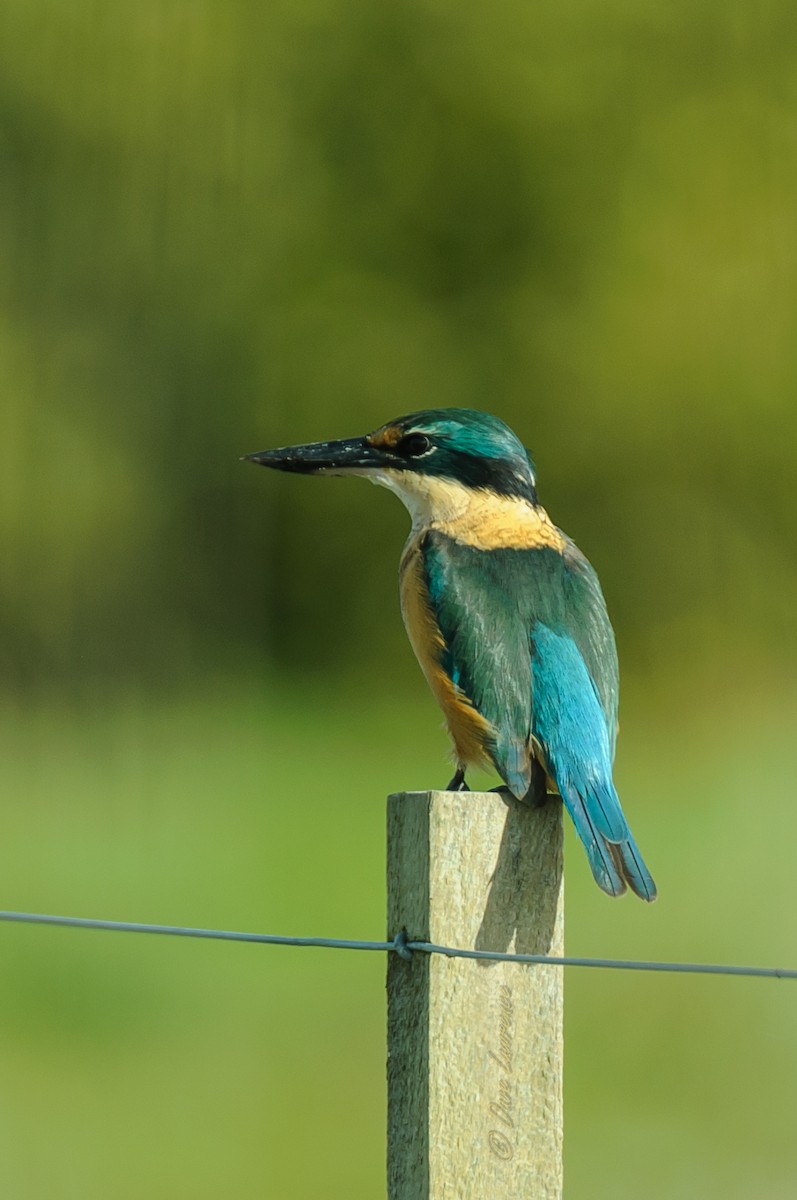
(505, 615)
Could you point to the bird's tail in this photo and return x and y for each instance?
(612, 852)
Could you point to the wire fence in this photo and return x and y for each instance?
(401, 944)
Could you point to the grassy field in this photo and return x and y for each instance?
(156, 1067)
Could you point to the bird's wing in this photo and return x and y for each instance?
(575, 686)
(583, 617)
(487, 604)
(486, 652)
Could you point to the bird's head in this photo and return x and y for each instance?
(424, 457)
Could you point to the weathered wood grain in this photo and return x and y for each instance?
(474, 1048)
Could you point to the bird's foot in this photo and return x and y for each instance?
(458, 784)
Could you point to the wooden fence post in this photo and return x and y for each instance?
(474, 1047)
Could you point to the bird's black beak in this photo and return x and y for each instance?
(351, 456)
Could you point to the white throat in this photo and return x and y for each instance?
(473, 516)
(428, 500)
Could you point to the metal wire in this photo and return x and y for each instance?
(219, 935)
(612, 964)
(400, 945)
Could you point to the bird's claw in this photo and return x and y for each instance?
(458, 784)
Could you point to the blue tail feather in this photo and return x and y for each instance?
(601, 860)
(639, 877)
(615, 860)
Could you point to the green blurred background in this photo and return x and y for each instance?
(231, 225)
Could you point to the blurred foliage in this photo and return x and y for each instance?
(227, 226)
(235, 225)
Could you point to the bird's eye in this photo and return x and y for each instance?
(414, 445)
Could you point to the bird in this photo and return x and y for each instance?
(505, 615)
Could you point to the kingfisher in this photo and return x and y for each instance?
(505, 615)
